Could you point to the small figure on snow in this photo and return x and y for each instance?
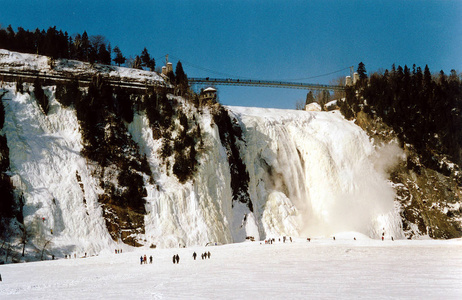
(194, 255)
(208, 254)
(145, 259)
(141, 259)
(177, 259)
(174, 259)
(150, 259)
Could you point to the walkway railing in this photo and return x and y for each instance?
(265, 83)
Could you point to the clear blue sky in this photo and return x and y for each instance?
(274, 40)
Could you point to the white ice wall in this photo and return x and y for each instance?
(310, 173)
(44, 158)
(315, 173)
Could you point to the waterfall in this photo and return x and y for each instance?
(314, 173)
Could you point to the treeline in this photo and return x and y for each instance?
(424, 109)
(58, 44)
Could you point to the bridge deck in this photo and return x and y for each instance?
(266, 83)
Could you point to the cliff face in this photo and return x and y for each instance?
(102, 168)
(430, 201)
(257, 172)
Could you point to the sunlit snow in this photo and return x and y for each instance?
(320, 269)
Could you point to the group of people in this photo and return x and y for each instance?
(144, 260)
(204, 255)
(117, 251)
(176, 259)
(273, 240)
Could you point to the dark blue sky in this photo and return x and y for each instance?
(275, 40)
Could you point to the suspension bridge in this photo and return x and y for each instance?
(265, 83)
(233, 81)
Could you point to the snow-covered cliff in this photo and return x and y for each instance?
(310, 173)
(305, 174)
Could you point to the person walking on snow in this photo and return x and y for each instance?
(177, 259)
(141, 260)
(194, 255)
(150, 259)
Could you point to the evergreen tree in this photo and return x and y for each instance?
(362, 74)
(362, 71)
(181, 78)
(11, 41)
(137, 63)
(309, 98)
(147, 61)
(3, 39)
(92, 54)
(119, 58)
(85, 46)
(104, 55)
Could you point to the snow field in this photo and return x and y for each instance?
(320, 269)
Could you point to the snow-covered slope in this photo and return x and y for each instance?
(320, 269)
(17, 62)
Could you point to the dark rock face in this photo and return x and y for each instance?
(430, 200)
(229, 132)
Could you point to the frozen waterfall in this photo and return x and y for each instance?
(314, 173)
(311, 173)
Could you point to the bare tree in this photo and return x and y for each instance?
(97, 40)
(300, 104)
(338, 81)
(44, 246)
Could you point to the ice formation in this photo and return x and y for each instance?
(311, 173)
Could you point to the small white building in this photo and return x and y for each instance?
(208, 94)
(313, 107)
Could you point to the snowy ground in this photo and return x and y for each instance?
(322, 268)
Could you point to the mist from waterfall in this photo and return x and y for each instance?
(322, 170)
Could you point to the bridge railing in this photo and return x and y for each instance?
(266, 83)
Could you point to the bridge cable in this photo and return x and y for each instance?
(243, 77)
(296, 79)
(207, 70)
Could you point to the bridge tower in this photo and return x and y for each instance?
(168, 66)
